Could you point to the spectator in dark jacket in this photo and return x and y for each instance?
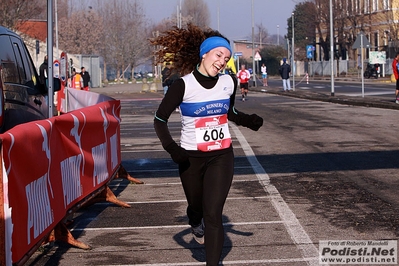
(86, 78)
(43, 71)
(169, 75)
(285, 70)
(165, 75)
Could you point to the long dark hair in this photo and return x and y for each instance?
(182, 46)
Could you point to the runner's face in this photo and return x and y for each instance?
(214, 61)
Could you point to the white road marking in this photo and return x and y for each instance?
(182, 200)
(234, 262)
(370, 93)
(163, 226)
(294, 228)
(288, 219)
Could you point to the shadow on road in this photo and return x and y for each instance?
(198, 251)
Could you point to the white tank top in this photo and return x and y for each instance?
(204, 114)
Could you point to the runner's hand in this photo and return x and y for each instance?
(178, 154)
(255, 122)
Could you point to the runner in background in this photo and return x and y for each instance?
(243, 75)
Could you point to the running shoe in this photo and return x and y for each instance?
(198, 233)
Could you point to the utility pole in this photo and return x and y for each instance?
(278, 35)
(332, 48)
(293, 53)
(50, 71)
(253, 46)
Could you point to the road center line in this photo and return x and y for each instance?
(294, 228)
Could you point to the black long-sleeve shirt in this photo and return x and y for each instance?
(174, 98)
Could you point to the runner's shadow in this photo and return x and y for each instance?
(185, 239)
(228, 243)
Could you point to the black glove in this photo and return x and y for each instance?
(178, 154)
(255, 122)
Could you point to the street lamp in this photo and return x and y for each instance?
(56, 28)
(219, 15)
(332, 48)
(179, 22)
(292, 55)
(50, 70)
(253, 54)
(278, 35)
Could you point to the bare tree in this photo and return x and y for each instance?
(322, 26)
(81, 32)
(390, 31)
(164, 25)
(262, 34)
(125, 35)
(15, 12)
(196, 12)
(115, 30)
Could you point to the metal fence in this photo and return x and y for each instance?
(91, 64)
(343, 67)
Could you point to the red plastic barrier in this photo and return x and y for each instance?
(49, 166)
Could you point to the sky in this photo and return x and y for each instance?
(235, 16)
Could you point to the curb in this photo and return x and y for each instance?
(347, 100)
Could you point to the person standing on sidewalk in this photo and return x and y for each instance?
(165, 74)
(85, 78)
(243, 75)
(263, 69)
(43, 69)
(205, 155)
(77, 82)
(285, 70)
(395, 68)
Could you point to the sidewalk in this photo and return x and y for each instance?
(113, 90)
(367, 101)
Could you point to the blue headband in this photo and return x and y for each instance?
(213, 42)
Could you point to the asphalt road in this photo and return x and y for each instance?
(315, 171)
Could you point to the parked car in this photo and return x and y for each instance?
(22, 97)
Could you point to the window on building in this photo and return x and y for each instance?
(346, 6)
(366, 6)
(386, 4)
(374, 5)
(351, 6)
(357, 6)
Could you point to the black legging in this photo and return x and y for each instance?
(206, 183)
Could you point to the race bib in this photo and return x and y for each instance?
(212, 133)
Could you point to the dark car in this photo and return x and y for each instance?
(22, 98)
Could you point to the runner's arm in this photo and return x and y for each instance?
(172, 99)
(252, 121)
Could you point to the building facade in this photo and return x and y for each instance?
(377, 19)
